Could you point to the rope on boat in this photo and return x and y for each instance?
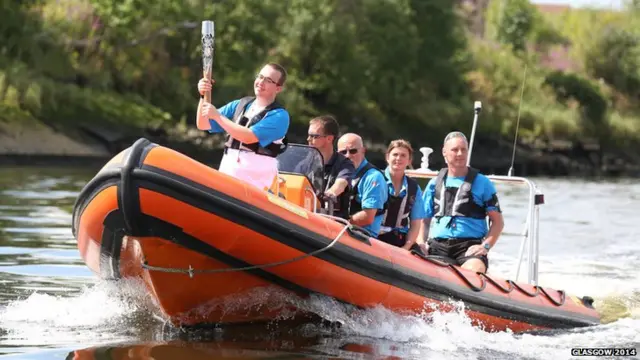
(191, 271)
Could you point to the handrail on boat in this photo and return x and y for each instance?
(530, 232)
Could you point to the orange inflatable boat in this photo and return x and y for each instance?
(206, 245)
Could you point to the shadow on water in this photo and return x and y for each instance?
(274, 340)
(282, 340)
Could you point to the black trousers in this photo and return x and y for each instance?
(395, 238)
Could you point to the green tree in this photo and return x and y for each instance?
(515, 22)
(593, 105)
(379, 66)
(615, 57)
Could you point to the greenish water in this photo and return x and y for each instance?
(52, 306)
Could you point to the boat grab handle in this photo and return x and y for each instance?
(437, 260)
(484, 278)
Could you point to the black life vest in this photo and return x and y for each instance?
(355, 205)
(399, 208)
(452, 201)
(273, 149)
(341, 208)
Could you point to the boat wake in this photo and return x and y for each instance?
(106, 311)
(118, 313)
(619, 306)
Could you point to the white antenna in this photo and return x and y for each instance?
(477, 107)
(513, 156)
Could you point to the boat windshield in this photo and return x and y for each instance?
(304, 160)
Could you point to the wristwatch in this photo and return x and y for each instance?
(486, 246)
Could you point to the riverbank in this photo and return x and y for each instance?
(31, 142)
(34, 143)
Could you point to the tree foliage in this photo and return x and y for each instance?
(385, 68)
(375, 64)
(614, 57)
(515, 23)
(593, 105)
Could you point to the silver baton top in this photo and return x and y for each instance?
(207, 27)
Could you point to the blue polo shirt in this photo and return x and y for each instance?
(273, 126)
(482, 191)
(417, 211)
(372, 194)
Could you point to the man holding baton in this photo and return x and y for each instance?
(256, 127)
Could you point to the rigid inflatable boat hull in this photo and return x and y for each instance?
(199, 240)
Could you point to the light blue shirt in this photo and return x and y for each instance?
(482, 191)
(273, 126)
(372, 194)
(417, 211)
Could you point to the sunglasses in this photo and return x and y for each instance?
(315, 136)
(350, 151)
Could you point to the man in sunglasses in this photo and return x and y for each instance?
(256, 128)
(338, 170)
(369, 193)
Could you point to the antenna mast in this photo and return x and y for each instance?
(515, 140)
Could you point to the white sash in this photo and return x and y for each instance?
(257, 170)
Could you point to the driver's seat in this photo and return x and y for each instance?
(300, 176)
(297, 189)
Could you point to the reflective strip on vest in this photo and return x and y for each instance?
(399, 219)
(439, 200)
(400, 205)
(463, 198)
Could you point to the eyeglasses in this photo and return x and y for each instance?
(266, 79)
(350, 151)
(315, 136)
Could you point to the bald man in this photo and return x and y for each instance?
(369, 194)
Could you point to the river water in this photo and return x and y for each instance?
(52, 306)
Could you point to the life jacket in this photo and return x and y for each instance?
(341, 208)
(273, 149)
(399, 208)
(452, 201)
(355, 205)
